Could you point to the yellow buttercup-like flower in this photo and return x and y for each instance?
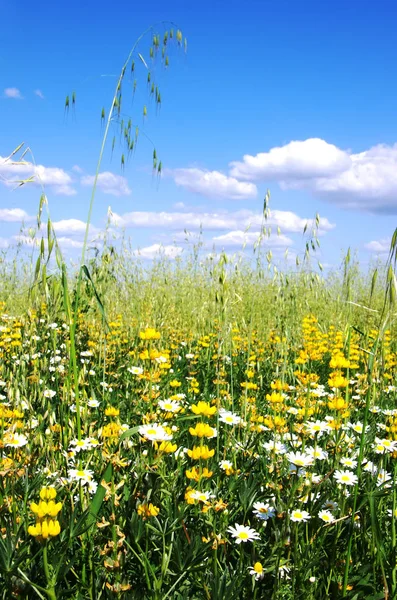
(46, 511)
(203, 408)
(202, 430)
(200, 453)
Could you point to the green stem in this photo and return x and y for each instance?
(50, 581)
(393, 537)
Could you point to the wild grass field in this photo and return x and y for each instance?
(208, 428)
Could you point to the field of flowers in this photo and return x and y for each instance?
(202, 430)
(233, 437)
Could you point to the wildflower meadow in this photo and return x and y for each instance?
(208, 428)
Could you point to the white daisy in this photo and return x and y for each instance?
(299, 515)
(345, 477)
(242, 533)
(154, 433)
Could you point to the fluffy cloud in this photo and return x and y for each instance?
(239, 238)
(72, 227)
(14, 215)
(39, 94)
(108, 183)
(297, 160)
(234, 220)
(366, 180)
(66, 242)
(13, 92)
(213, 184)
(63, 241)
(12, 172)
(379, 246)
(157, 250)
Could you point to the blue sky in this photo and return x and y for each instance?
(303, 90)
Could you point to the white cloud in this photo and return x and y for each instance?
(297, 160)
(157, 250)
(240, 238)
(13, 172)
(3, 243)
(109, 183)
(366, 180)
(66, 242)
(72, 227)
(13, 92)
(213, 184)
(379, 246)
(370, 183)
(14, 215)
(234, 220)
(39, 94)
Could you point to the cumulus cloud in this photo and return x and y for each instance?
(39, 94)
(65, 242)
(233, 220)
(366, 180)
(213, 184)
(239, 238)
(379, 246)
(14, 215)
(157, 250)
(72, 227)
(108, 183)
(297, 160)
(13, 92)
(11, 173)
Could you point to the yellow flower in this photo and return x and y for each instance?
(336, 380)
(45, 512)
(220, 505)
(202, 430)
(175, 384)
(149, 334)
(203, 408)
(167, 447)
(188, 495)
(112, 411)
(338, 361)
(275, 398)
(200, 452)
(44, 509)
(198, 474)
(249, 385)
(147, 510)
(337, 404)
(48, 493)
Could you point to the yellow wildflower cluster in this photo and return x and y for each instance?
(200, 453)
(45, 512)
(202, 430)
(149, 334)
(197, 474)
(147, 510)
(203, 408)
(315, 342)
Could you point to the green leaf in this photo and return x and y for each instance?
(99, 301)
(90, 515)
(129, 433)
